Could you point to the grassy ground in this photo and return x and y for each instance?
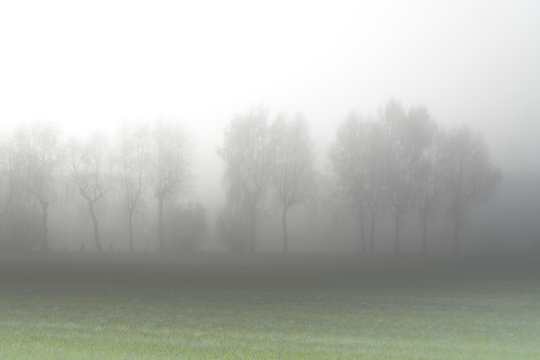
(206, 315)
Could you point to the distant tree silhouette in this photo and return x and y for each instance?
(21, 229)
(40, 147)
(375, 173)
(133, 165)
(398, 166)
(348, 157)
(358, 158)
(467, 174)
(292, 170)
(169, 168)
(246, 153)
(427, 187)
(88, 161)
(409, 136)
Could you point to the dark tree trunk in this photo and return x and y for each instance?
(160, 224)
(397, 223)
(96, 228)
(130, 224)
(362, 229)
(284, 227)
(45, 224)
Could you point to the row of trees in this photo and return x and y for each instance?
(397, 162)
(37, 165)
(403, 161)
(263, 157)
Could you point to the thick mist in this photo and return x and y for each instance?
(269, 179)
(395, 182)
(469, 64)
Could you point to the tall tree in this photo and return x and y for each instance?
(358, 158)
(19, 205)
(427, 185)
(246, 153)
(169, 168)
(40, 149)
(466, 172)
(409, 135)
(133, 160)
(88, 167)
(376, 154)
(398, 174)
(348, 157)
(292, 170)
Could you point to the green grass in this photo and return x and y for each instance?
(432, 320)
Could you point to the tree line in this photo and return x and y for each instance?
(39, 166)
(397, 162)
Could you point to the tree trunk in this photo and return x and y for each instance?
(362, 229)
(130, 224)
(96, 228)
(284, 227)
(372, 230)
(160, 225)
(44, 224)
(397, 224)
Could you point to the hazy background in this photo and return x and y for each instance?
(95, 64)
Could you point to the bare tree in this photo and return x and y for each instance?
(358, 158)
(133, 159)
(292, 170)
(88, 168)
(19, 206)
(41, 150)
(409, 137)
(169, 168)
(348, 157)
(398, 175)
(245, 151)
(466, 172)
(427, 185)
(376, 153)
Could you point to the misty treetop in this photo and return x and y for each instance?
(132, 187)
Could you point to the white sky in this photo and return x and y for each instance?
(93, 64)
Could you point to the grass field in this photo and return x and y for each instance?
(265, 313)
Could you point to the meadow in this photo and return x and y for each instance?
(267, 307)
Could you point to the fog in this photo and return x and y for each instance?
(276, 179)
(200, 65)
